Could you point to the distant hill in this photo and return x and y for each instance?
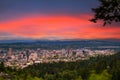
(15, 41)
(60, 44)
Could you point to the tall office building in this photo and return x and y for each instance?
(10, 52)
(71, 52)
(27, 54)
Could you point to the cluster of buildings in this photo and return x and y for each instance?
(23, 58)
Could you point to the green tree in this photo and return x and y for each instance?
(2, 68)
(103, 76)
(49, 77)
(1, 78)
(36, 78)
(79, 78)
(68, 75)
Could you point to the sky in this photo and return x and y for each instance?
(52, 20)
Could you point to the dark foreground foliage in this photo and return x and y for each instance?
(108, 11)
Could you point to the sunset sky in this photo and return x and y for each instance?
(53, 20)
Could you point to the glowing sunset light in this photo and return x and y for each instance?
(67, 23)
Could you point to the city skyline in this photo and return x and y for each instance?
(53, 20)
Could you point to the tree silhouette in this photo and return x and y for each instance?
(108, 12)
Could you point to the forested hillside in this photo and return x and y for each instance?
(99, 68)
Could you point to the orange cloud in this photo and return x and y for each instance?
(59, 27)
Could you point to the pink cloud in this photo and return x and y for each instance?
(59, 26)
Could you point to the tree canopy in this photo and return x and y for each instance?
(108, 12)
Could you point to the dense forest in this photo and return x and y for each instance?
(99, 68)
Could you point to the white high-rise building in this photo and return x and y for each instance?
(33, 56)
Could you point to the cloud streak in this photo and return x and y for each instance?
(58, 27)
